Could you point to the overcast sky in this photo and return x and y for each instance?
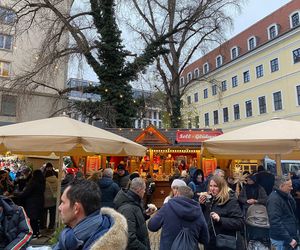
(252, 11)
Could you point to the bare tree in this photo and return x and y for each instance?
(200, 24)
(104, 52)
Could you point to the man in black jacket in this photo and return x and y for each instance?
(129, 203)
(15, 230)
(281, 208)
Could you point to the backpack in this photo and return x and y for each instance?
(185, 240)
(257, 216)
(256, 245)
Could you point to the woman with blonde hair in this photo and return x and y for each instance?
(222, 212)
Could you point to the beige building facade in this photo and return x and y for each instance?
(20, 46)
(251, 78)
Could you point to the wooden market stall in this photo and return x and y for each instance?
(167, 149)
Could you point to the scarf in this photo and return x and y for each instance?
(78, 237)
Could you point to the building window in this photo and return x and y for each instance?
(214, 89)
(224, 85)
(155, 115)
(248, 105)
(159, 124)
(4, 69)
(246, 76)
(197, 121)
(236, 111)
(296, 55)
(196, 73)
(262, 105)
(8, 105)
(189, 100)
(251, 43)
(225, 115)
(190, 76)
(277, 101)
(294, 20)
(298, 94)
(7, 16)
(274, 65)
(216, 117)
(6, 42)
(196, 97)
(205, 68)
(272, 31)
(205, 93)
(181, 81)
(219, 61)
(234, 53)
(259, 71)
(206, 119)
(234, 81)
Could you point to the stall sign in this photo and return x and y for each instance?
(195, 136)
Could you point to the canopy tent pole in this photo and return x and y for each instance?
(278, 164)
(60, 169)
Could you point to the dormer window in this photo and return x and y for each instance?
(234, 52)
(205, 68)
(7, 16)
(196, 73)
(181, 81)
(272, 31)
(294, 19)
(190, 76)
(219, 61)
(251, 43)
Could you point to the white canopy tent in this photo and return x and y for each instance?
(276, 138)
(64, 136)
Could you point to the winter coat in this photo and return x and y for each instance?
(266, 180)
(33, 199)
(50, 191)
(231, 218)
(129, 204)
(253, 191)
(109, 190)
(17, 229)
(179, 212)
(123, 180)
(110, 234)
(281, 209)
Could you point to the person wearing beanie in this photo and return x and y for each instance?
(174, 186)
(252, 193)
(121, 177)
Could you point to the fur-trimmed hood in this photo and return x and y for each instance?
(116, 237)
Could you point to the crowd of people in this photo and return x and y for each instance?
(109, 209)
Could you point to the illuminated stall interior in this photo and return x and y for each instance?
(168, 149)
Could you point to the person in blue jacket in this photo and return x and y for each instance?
(181, 211)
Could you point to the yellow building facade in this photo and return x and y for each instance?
(256, 78)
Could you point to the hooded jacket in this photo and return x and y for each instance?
(109, 190)
(111, 233)
(129, 204)
(14, 226)
(179, 212)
